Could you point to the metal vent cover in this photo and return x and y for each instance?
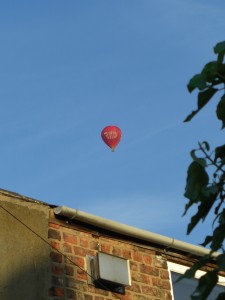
(110, 268)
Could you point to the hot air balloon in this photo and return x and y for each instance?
(111, 135)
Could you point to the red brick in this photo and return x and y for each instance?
(56, 291)
(74, 295)
(79, 251)
(71, 282)
(116, 251)
(70, 294)
(84, 242)
(106, 248)
(70, 238)
(127, 296)
(149, 270)
(133, 266)
(88, 297)
(150, 278)
(147, 260)
(67, 248)
(54, 234)
(56, 257)
(134, 288)
(91, 252)
(79, 296)
(69, 270)
(94, 245)
(81, 275)
(164, 274)
(137, 256)
(94, 290)
(77, 261)
(140, 297)
(55, 245)
(151, 291)
(141, 278)
(166, 295)
(80, 262)
(57, 280)
(164, 284)
(57, 270)
(53, 225)
(127, 254)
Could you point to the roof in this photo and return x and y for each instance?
(24, 198)
(133, 232)
(116, 227)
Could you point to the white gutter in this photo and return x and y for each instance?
(74, 214)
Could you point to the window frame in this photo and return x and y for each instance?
(181, 269)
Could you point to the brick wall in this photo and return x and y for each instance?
(150, 278)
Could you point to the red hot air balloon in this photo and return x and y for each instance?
(111, 135)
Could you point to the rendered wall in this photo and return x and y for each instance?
(24, 258)
(150, 277)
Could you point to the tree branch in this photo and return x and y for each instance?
(211, 160)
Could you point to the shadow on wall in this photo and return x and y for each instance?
(24, 258)
(28, 283)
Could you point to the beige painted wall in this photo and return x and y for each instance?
(24, 258)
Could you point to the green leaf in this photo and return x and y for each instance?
(218, 237)
(222, 217)
(211, 67)
(208, 240)
(220, 47)
(190, 273)
(197, 178)
(221, 296)
(221, 261)
(203, 210)
(220, 50)
(220, 75)
(192, 114)
(203, 99)
(205, 285)
(207, 197)
(207, 147)
(210, 70)
(220, 153)
(198, 81)
(220, 111)
(220, 57)
(211, 191)
(201, 161)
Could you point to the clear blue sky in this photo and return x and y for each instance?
(69, 68)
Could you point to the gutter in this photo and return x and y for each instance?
(74, 214)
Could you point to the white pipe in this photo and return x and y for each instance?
(130, 231)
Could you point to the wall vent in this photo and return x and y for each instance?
(110, 271)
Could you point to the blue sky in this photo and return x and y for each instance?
(70, 68)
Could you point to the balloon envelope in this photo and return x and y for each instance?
(111, 135)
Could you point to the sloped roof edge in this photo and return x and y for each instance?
(24, 198)
(168, 243)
